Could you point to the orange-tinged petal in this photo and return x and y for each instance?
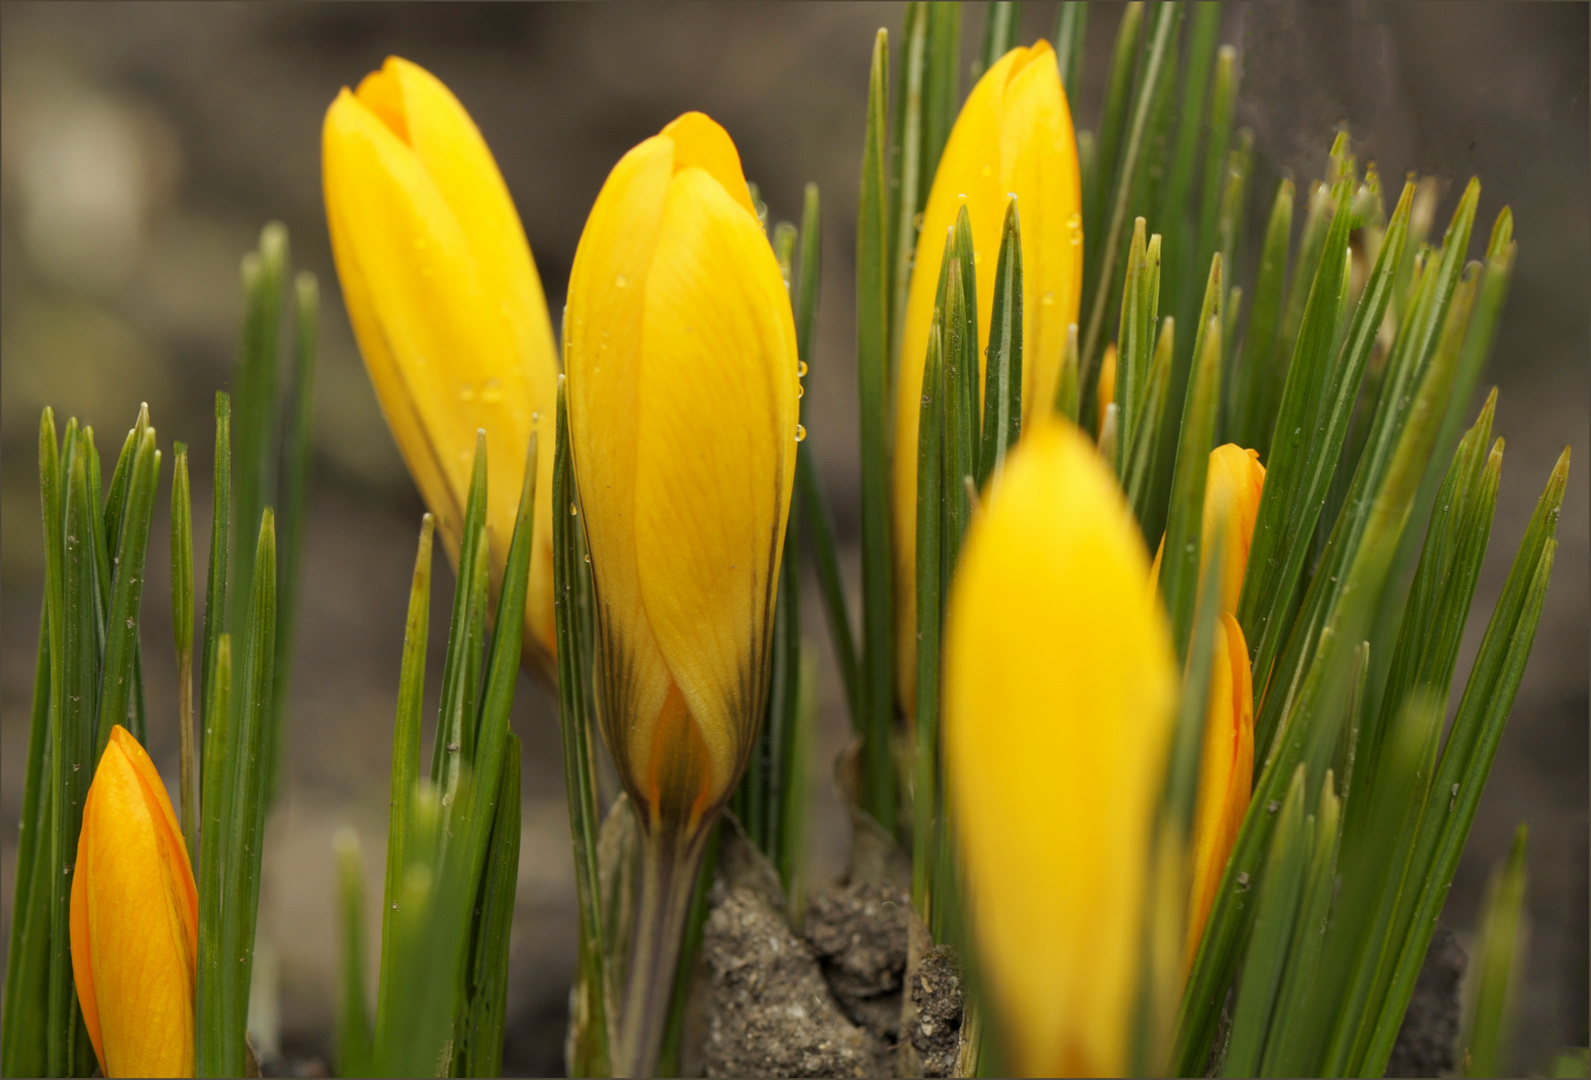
(1226, 771)
(446, 305)
(134, 920)
(1013, 136)
(1060, 689)
(682, 407)
(1105, 389)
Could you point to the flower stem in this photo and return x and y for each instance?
(670, 856)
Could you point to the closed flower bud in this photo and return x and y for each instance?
(1059, 699)
(681, 360)
(1226, 773)
(447, 308)
(134, 919)
(1012, 137)
(1235, 479)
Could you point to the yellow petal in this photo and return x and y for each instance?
(446, 304)
(1235, 475)
(1060, 689)
(681, 355)
(607, 287)
(1012, 137)
(1105, 389)
(715, 456)
(1226, 771)
(134, 920)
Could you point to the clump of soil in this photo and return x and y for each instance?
(768, 1010)
(936, 1028)
(858, 934)
(1429, 1033)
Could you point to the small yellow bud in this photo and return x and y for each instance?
(134, 919)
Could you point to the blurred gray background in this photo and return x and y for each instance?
(142, 146)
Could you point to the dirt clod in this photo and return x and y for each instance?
(859, 935)
(769, 1011)
(936, 991)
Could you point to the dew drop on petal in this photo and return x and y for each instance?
(801, 391)
(801, 369)
(621, 281)
(492, 392)
(466, 392)
(801, 433)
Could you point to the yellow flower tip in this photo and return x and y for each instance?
(1226, 771)
(134, 922)
(446, 306)
(682, 414)
(1013, 136)
(1059, 699)
(701, 142)
(1233, 484)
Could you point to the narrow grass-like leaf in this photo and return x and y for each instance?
(1217, 142)
(127, 586)
(690, 948)
(293, 501)
(1274, 922)
(353, 1012)
(1002, 24)
(590, 1000)
(72, 754)
(1380, 834)
(1179, 568)
(1294, 1001)
(1134, 343)
(405, 757)
(941, 86)
(1311, 730)
(1071, 27)
(909, 177)
(1258, 383)
(482, 1051)
(246, 807)
(1501, 952)
(215, 593)
(256, 387)
(1161, 32)
(958, 318)
(1002, 395)
(1187, 747)
(1144, 454)
(182, 635)
(872, 375)
(1471, 745)
(1316, 404)
(930, 475)
(1108, 142)
(211, 974)
(1068, 393)
(466, 633)
(1174, 218)
(25, 1051)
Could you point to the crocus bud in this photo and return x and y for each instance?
(1105, 388)
(1235, 480)
(681, 359)
(1012, 137)
(444, 300)
(1059, 699)
(1226, 772)
(134, 919)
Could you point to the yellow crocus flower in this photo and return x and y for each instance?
(1235, 480)
(446, 305)
(134, 919)
(681, 359)
(1226, 773)
(1059, 700)
(1012, 137)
